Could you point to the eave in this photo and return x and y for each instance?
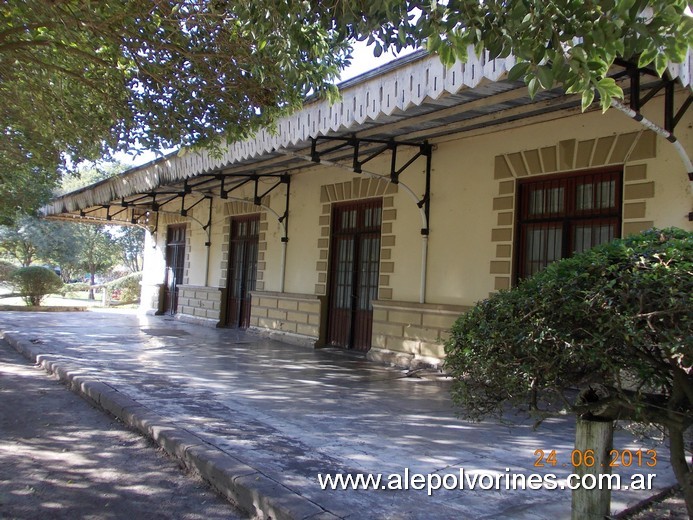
(414, 98)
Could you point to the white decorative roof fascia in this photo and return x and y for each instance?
(395, 88)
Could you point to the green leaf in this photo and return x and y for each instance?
(518, 71)
(533, 87)
(661, 63)
(587, 98)
(609, 87)
(647, 56)
(579, 54)
(545, 76)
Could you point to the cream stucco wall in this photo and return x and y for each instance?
(463, 188)
(154, 265)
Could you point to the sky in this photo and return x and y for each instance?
(362, 61)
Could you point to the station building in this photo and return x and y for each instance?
(371, 224)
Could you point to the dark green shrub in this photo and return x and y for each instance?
(624, 308)
(34, 283)
(620, 314)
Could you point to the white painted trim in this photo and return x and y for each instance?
(395, 89)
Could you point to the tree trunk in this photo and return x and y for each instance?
(594, 438)
(680, 466)
(91, 282)
(676, 427)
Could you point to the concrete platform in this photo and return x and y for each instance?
(261, 419)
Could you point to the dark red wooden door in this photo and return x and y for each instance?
(175, 266)
(354, 270)
(242, 272)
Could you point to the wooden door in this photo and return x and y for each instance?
(242, 271)
(175, 266)
(354, 270)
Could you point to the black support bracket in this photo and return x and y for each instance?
(286, 179)
(641, 91)
(230, 182)
(377, 147)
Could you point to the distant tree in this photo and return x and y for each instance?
(61, 246)
(6, 270)
(98, 251)
(88, 174)
(31, 240)
(130, 241)
(23, 241)
(67, 244)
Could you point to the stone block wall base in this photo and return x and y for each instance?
(197, 320)
(284, 337)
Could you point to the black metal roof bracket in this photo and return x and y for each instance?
(424, 149)
(358, 161)
(255, 178)
(187, 189)
(207, 226)
(109, 216)
(83, 213)
(184, 211)
(284, 219)
(638, 99)
(257, 199)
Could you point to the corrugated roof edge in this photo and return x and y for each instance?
(66, 202)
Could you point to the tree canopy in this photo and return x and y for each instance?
(568, 43)
(82, 78)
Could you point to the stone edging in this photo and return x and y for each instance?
(241, 484)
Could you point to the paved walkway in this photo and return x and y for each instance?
(62, 459)
(261, 419)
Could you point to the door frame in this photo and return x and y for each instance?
(175, 261)
(241, 310)
(360, 321)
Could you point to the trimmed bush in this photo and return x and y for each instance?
(619, 315)
(34, 283)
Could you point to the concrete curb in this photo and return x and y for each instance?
(245, 486)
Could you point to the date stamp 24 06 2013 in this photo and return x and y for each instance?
(586, 458)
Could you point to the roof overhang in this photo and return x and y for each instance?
(414, 99)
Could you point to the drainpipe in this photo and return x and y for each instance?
(424, 270)
(283, 266)
(207, 267)
(208, 244)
